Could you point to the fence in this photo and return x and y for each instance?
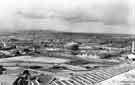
(4, 83)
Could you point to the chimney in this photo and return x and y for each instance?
(133, 47)
(4, 43)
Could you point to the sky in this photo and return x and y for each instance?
(91, 16)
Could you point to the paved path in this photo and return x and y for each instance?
(96, 77)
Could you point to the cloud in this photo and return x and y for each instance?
(31, 15)
(117, 15)
(112, 14)
(66, 15)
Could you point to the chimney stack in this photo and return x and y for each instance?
(133, 47)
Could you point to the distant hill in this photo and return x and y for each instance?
(50, 34)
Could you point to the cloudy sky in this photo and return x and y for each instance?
(98, 16)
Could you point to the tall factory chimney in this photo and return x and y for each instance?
(133, 47)
(4, 43)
